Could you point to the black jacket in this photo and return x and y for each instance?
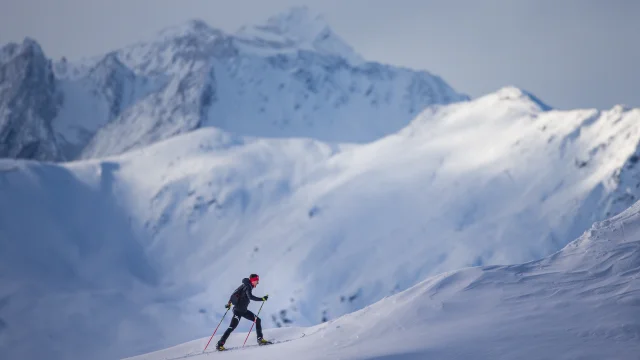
(242, 296)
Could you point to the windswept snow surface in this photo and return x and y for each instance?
(579, 303)
(124, 255)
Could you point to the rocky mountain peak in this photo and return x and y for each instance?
(28, 102)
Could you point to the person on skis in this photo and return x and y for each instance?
(240, 300)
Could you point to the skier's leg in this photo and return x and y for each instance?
(234, 323)
(251, 316)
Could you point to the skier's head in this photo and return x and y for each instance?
(255, 279)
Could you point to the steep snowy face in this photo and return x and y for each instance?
(301, 94)
(292, 77)
(145, 85)
(113, 78)
(29, 102)
(179, 107)
(624, 182)
(176, 50)
(298, 29)
(94, 96)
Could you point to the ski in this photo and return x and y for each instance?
(233, 348)
(273, 342)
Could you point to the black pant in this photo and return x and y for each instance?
(236, 320)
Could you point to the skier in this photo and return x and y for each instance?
(240, 299)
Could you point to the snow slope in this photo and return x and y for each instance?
(70, 264)
(139, 252)
(579, 303)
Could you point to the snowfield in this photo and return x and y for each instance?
(579, 303)
(125, 255)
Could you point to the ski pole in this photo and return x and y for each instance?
(254, 322)
(214, 332)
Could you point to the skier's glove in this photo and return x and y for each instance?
(228, 306)
(265, 298)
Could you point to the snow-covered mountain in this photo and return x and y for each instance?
(29, 103)
(137, 252)
(578, 303)
(291, 76)
(294, 30)
(104, 91)
(207, 155)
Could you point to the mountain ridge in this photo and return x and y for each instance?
(29, 102)
(291, 77)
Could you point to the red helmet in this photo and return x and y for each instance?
(254, 278)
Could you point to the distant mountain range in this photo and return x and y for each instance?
(289, 77)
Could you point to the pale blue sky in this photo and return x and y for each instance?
(571, 54)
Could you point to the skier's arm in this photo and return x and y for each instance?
(250, 295)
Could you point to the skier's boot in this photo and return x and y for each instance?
(220, 346)
(262, 341)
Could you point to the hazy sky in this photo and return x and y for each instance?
(569, 53)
